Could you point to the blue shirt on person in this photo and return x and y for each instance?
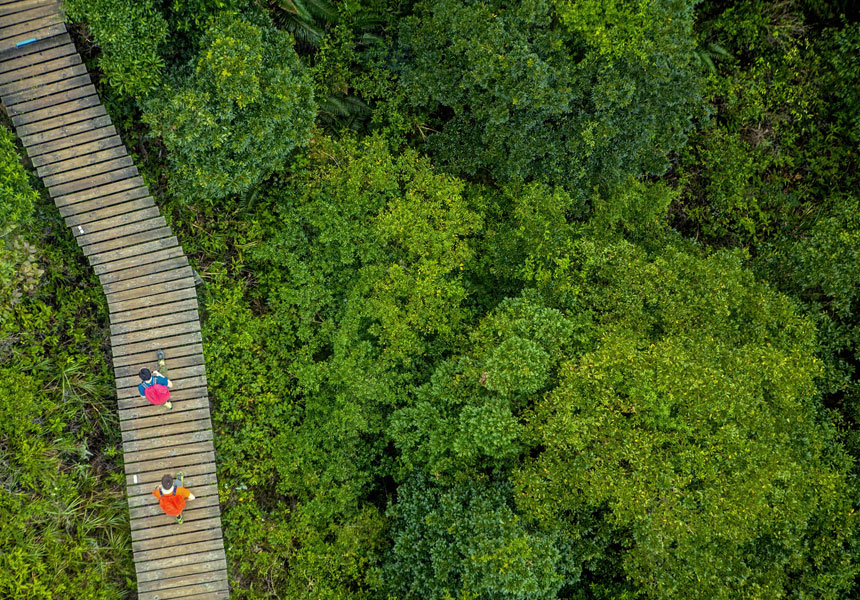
(156, 380)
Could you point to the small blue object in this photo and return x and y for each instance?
(25, 42)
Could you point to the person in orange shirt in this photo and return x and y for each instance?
(172, 497)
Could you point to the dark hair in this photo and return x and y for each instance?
(145, 374)
(166, 482)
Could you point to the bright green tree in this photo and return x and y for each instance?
(130, 34)
(236, 116)
(574, 93)
(466, 541)
(691, 425)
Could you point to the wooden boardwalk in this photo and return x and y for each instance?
(150, 292)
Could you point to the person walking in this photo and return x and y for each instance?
(172, 497)
(154, 386)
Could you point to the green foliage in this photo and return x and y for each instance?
(130, 34)
(64, 529)
(576, 94)
(19, 269)
(691, 425)
(524, 385)
(18, 196)
(467, 542)
(773, 152)
(352, 251)
(237, 116)
(844, 77)
(822, 269)
(467, 415)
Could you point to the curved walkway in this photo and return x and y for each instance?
(47, 93)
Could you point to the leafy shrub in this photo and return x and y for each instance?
(64, 530)
(572, 93)
(18, 196)
(19, 269)
(467, 542)
(130, 34)
(246, 104)
(692, 426)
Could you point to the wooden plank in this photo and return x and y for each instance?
(153, 516)
(172, 528)
(145, 497)
(80, 160)
(117, 233)
(186, 591)
(155, 321)
(38, 52)
(207, 563)
(178, 268)
(198, 398)
(200, 501)
(133, 462)
(54, 130)
(81, 210)
(196, 382)
(56, 109)
(191, 382)
(139, 492)
(30, 26)
(126, 267)
(14, 101)
(127, 241)
(67, 147)
(118, 341)
(195, 475)
(143, 411)
(75, 121)
(46, 102)
(173, 259)
(180, 395)
(197, 536)
(105, 212)
(173, 464)
(93, 182)
(12, 82)
(195, 510)
(156, 240)
(29, 14)
(219, 595)
(10, 7)
(149, 506)
(160, 261)
(121, 160)
(99, 143)
(167, 417)
(153, 345)
(137, 287)
(147, 356)
(90, 230)
(179, 576)
(142, 483)
(11, 51)
(154, 311)
(204, 552)
(186, 437)
(100, 193)
(168, 557)
(130, 299)
(136, 435)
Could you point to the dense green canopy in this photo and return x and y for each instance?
(550, 299)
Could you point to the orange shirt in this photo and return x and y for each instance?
(174, 502)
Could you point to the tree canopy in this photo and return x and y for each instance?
(550, 299)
